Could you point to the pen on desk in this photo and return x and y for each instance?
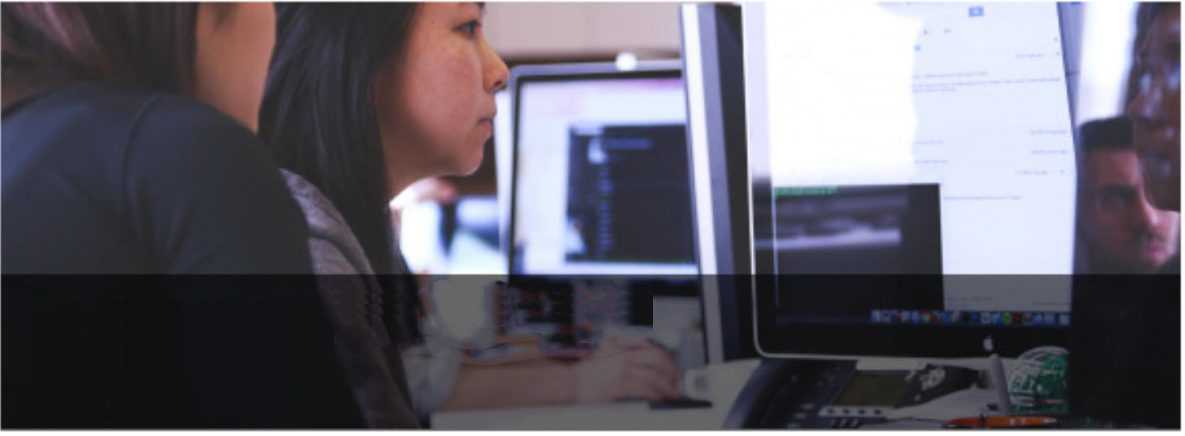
(1002, 422)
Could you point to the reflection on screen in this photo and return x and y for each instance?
(602, 178)
(970, 99)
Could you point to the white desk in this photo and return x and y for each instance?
(727, 381)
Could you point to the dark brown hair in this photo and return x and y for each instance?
(319, 121)
(1106, 134)
(318, 116)
(146, 44)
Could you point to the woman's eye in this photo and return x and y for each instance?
(470, 28)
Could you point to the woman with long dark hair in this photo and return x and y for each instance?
(330, 116)
(362, 100)
(128, 154)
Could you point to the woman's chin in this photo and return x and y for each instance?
(469, 164)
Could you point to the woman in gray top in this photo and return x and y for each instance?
(363, 100)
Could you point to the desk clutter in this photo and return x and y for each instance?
(570, 316)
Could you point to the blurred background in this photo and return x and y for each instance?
(452, 227)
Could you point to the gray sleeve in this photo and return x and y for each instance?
(360, 347)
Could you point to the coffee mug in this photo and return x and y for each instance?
(697, 384)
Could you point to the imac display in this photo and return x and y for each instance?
(918, 182)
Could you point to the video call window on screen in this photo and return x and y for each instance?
(857, 230)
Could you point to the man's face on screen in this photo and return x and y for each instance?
(1126, 233)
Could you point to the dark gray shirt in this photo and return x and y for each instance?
(354, 299)
(128, 185)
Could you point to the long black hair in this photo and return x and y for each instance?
(319, 120)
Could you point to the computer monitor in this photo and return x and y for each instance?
(911, 194)
(600, 184)
(601, 215)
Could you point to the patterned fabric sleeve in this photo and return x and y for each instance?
(353, 296)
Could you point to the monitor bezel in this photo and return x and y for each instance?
(716, 141)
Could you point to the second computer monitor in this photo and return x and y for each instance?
(601, 183)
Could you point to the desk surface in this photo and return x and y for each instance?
(614, 416)
(728, 380)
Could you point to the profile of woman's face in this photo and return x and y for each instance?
(436, 104)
